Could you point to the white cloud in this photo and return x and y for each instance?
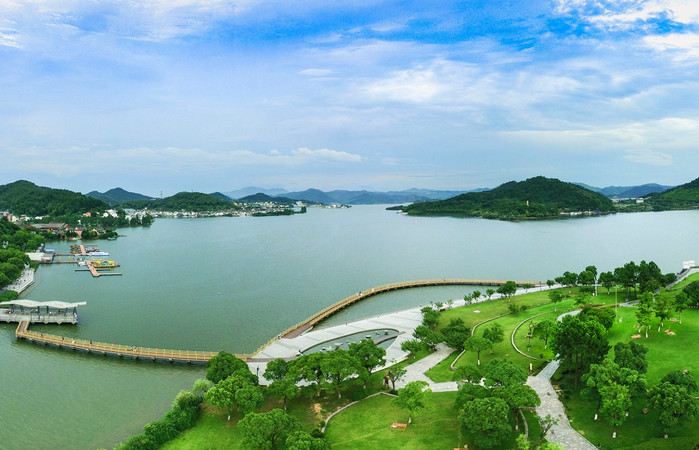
(629, 14)
(326, 154)
(686, 45)
(651, 157)
(313, 72)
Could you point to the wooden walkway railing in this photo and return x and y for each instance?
(362, 295)
(154, 354)
(114, 349)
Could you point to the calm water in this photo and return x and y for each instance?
(234, 283)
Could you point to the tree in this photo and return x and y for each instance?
(221, 397)
(662, 307)
(681, 303)
(412, 397)
(201, 386)
(455, 333)
(569, 279)
(644, 310)
(495, 334)
(546, 424)
(223, 365)
(369, 354)
(550, 283)
(579, 343)
(603, 316)
(430, 316)
(300, 440)
(518, 396)
(586, 278)
(285, 389)
(338, 366)
(682, 379)
(412, 346)
(477, 344)
(249, 398)
(468, 392)
(395, 374)
(276, 369)
(675, 407)
(631, 355)
(527, 286)
(692, 291)
(475, 295)
(556, 297)
(508, 289)
(503, 372)
(468, 299)
(489, 292)
(486, 419)
(615, 402)
(469, 372)
(543, 331)
(268, 430)
(309, 369)
(427, 336)
(608, 280)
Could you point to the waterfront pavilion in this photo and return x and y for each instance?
(39, 312)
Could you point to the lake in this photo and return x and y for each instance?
(233, 283)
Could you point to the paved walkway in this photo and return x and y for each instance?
(561, 433)
(405, 322)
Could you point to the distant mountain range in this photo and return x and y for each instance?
(364, 197)
(627, 191)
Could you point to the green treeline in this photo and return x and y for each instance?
(24, 197)
(537, 197)
(184, 201)
(681, 197)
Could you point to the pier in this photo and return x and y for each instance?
(93, 270)
(103, 348)
(30, 311)
(164, 355)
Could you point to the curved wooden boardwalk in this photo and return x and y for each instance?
(156, 354)
(362, 295)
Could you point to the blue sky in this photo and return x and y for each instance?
(210, 95)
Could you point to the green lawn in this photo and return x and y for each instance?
(686, 281)
(665, 353)
(211, 432)
(368, 425)
(442, 371)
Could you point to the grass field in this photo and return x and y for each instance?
(368, 425)
(665, 353)
(693, 277)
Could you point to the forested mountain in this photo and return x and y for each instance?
(313, 195)
(627, 191)
(685, 196)
(183, 201)
(264, 198)
(24, 197)
(537, 197)
(117, 196)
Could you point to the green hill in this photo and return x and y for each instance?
(183, 201)
(117, 196)
(685, 196)
(264, 198)
(24, 197)
(537, 197)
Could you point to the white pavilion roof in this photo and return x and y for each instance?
(33, 304)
